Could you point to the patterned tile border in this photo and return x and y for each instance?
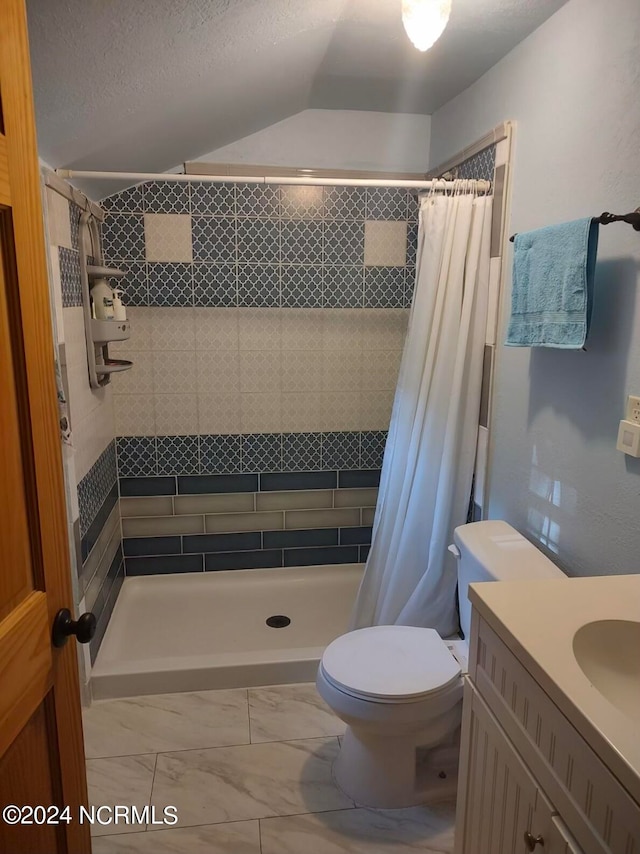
(96, 490)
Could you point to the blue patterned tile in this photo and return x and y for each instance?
(213, 239)
(123, 237)
(345, 202)
(262, 452)
(136, 456)
(481, 166)
(259, 285)
(372, 445)
(178, 454)
(70, 281)
(344, 243)
(215, 285)
(166, 197)
(343, 287)
(301, 242)
(387, 203)
(261, 201)
(134, 283)
(170, 284)
(258, 242)
(74, 225)
(300, 201)
(213, 199)
(412, 243)
(96, 485)
(413, 205)
(301, 287)
(409, 285)
(340, 450)
(126, 201)
(301, 452)
(220, 454)
(384, 287)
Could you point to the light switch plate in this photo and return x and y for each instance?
(629, 438)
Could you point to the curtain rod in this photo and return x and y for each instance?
(481, 186)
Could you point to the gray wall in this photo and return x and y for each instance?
(572, 88)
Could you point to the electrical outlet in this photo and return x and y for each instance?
(633, 409)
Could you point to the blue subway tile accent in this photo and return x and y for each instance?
(316, 556)
(170, 284)
(364, 553)
(130, 486)
(145, 546)
(259, 285)
(247, 541)
(136, 456)
(384, 287)
(355, 536)
(301, 242)
(199, 484)
(164, 564)
(341, 450)
(301, 287)
(298, 480)
(357, 479)
(265, 558)
(213, 239)
(178, 454)
(102, 598)
(258, 201)
(123, 237)
(96, 485)
(344, 243)
(299, 539)
(93, 532)
(215, 285)
(166, 197)
(220, 454)
(258, 242)
(301, 452)
(262, 452)
(103, 622)
(213, 199)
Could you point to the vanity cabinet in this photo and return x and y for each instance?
(528, 781)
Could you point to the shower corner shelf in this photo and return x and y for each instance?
(113, 366)
(103, 331)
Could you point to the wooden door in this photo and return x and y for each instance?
(41, 750)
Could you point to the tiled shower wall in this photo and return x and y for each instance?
(267, 329)
(90, 460)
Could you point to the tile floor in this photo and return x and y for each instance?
(249, 773)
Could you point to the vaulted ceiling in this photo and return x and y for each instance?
(148, 84)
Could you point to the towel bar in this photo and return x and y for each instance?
(606, 218)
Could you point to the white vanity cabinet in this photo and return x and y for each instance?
(528, 781)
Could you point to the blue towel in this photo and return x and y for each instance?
(552, 296)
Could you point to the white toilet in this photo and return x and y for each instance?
(399, 688)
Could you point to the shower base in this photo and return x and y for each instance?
(206, 630)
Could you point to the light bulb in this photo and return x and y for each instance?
(425, 20)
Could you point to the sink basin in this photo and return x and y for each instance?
(608, 652)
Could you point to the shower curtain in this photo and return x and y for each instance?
(410, 578)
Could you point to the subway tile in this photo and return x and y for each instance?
(141, 526)
(321, 555)
(136, 546)
(246, 541)
(298, 500)
(360, 535)
(298, 480)
(108, 541)
(103, 622)
(333, 518)
(168, 237)
(227, 522)
(364, 553)
(358, 479)
(214, 483)
(300, 539)
(367, 515)
(130, 486)
(238, 502)
(97, 603)
(162, 506)
(264, 558)
(94, 584)
(355, 497)
(92, 534)
(163, 565)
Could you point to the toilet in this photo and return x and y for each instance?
(399, 688)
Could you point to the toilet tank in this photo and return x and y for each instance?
(494, 551)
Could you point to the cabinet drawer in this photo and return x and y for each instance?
(597, 809)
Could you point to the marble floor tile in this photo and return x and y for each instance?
(287, 712)
(165, 722)
(123, 780)
(249, 781)
(239, 837)
(428, 830)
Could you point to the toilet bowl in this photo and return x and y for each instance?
(399, 688)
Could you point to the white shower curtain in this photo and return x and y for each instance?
(410, 578)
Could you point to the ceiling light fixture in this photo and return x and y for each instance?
(425, 20)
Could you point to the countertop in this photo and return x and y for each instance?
(538, 620)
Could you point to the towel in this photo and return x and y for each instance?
(552, 296)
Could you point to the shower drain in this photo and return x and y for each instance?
(278, 621)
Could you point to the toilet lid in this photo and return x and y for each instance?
(389, 662)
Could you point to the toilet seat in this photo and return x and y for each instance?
(390, 664)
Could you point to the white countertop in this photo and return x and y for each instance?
(538, 620)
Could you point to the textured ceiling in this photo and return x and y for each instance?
(148, 84)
